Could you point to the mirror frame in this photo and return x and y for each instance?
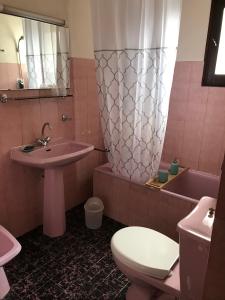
(212, 45)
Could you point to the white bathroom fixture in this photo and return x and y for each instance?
(149, 259)
(129, 245)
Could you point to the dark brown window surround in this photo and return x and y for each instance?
(212, 45)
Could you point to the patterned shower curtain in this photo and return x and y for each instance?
(135, 45)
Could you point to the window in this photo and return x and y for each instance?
(214, 65)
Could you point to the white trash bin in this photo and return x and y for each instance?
(93, 212)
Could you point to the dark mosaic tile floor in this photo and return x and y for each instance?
(77, 265)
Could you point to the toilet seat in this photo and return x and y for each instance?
(145, 250)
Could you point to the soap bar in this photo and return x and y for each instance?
(27, 148)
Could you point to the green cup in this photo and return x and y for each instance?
(163, 176)
(174, 168)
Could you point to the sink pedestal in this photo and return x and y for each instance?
(54, 206)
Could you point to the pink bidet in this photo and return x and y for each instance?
(9, 248)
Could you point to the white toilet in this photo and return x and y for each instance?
(150, 259)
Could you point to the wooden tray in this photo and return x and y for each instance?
(155, 184)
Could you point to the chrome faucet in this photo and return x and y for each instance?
(44, 140)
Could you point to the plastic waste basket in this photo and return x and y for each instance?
(93, 212)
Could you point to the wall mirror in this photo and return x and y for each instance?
(33, 55)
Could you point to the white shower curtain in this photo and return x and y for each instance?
(47, 55)
(135, 44)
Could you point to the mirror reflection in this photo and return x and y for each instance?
(33, 54)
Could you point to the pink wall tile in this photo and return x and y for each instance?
(212, 146)
(49, 113)
(70, 178)
(9, 75)
(81, 87)
(196, 72)
(87, 122)
(191, 144)
(11, 125)
(21, 122)
(182, 72)
(215, 107)
(199, 113)
(25, 75)
(13, 75)
(173, 140)
(178, 110)
(197, 103)
(66, 106)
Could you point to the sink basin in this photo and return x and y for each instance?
(9, 248)
(53, 155)
(199, 223)
(52, 159)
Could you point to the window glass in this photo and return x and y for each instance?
(220, 62)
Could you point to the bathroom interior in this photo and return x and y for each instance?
(112, 144)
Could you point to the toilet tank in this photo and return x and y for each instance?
(195, 237)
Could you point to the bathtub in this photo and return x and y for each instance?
(135, 204)
(193, 185)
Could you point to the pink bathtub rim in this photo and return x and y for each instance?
(106, 169)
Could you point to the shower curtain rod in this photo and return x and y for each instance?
(101, 150)
(5, 9)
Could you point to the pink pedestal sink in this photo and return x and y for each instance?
(9, 248)
(52, 159)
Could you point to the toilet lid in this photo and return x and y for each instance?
(145, 250)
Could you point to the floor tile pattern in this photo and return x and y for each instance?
(77, 265)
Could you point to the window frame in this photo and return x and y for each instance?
(212, 46)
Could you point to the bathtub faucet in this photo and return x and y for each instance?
(44, 140)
